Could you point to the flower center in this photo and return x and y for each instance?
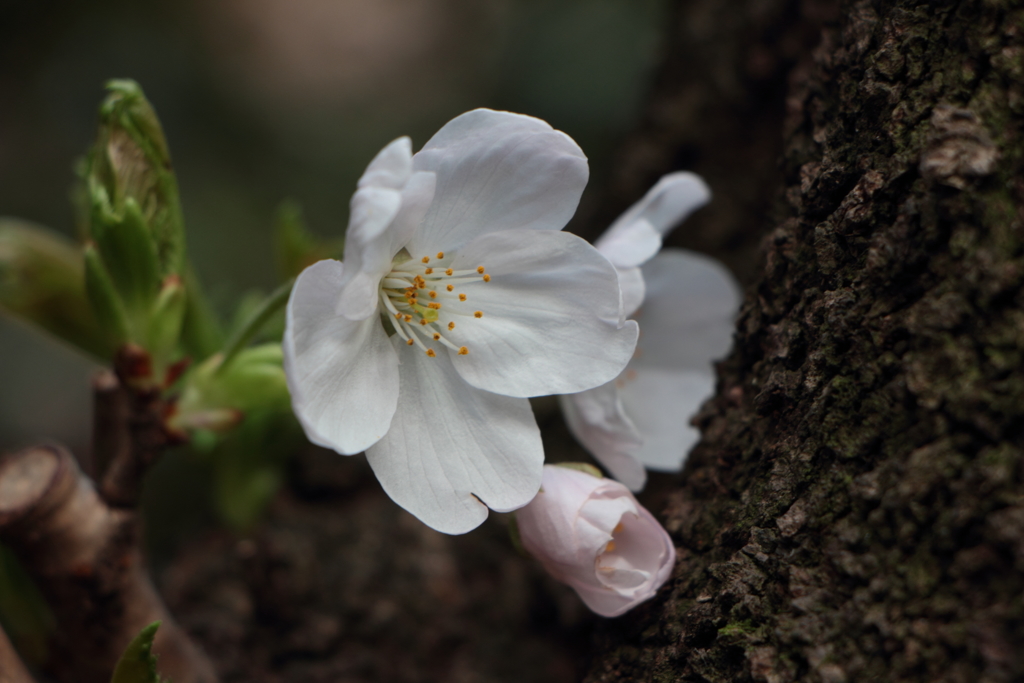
(420, 295)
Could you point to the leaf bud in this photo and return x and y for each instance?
(130, 163)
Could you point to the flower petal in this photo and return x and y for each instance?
(342, 374)
(661, 402)
(631, 282)
(547, 526)
(636, 235)
(598, 421)
(612, 603)
(384, 213)
(453, 450)
(366, 259)
(496, 171)
(546, 326)
(391, 167)
(688, 314)
(630, 244)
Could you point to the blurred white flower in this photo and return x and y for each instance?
(457, 254)
(593, 535)
(689, 304)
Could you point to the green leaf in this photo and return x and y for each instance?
(106, 303)
(254, 322)
(42, 281)
(165, 320)
(201, 332)
(253, 382)
(138, 663)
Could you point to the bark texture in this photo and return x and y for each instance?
(856, 509)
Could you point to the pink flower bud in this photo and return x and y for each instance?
(593, 535)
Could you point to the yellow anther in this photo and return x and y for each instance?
(424, 322)
(462, 297)
(450, 287)
(409, 342)
(398, 315)
(433, 294)
(610, 547)
(430, 352)
(451, 326)
(480, 269)
(437, 336)
(449, 271)
(429, 271)
(433, 304)
(408, 318)
(440, 254)
(478, 314)
(425, 259)
(463, 350)
(487, 278)
(618, 528)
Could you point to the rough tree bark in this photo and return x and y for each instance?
(856, 508)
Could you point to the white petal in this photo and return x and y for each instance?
(367, 257)
(391, 167)
(497, 171)
(342, 374)
(416, 197)
(672, 199)
(631, 244)
(453, 450)
(598, 421)
(688, 314)
(661, 402)
(598, 518)
(547, 312)
(384, 213)
(631, 282)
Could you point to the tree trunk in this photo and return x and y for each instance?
(856, 508)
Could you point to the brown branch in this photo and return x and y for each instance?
(12, 670)
(85, 559)
(129, 432)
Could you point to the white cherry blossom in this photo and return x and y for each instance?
(593, 535)
(686, 304)
(458, 298)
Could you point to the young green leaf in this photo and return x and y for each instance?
(42, 281)
(138, 663)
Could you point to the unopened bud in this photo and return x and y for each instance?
(130, 162)
(592, 534)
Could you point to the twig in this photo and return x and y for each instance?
(129, 426)
(85, 559)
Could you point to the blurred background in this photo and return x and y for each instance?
(266, 100)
